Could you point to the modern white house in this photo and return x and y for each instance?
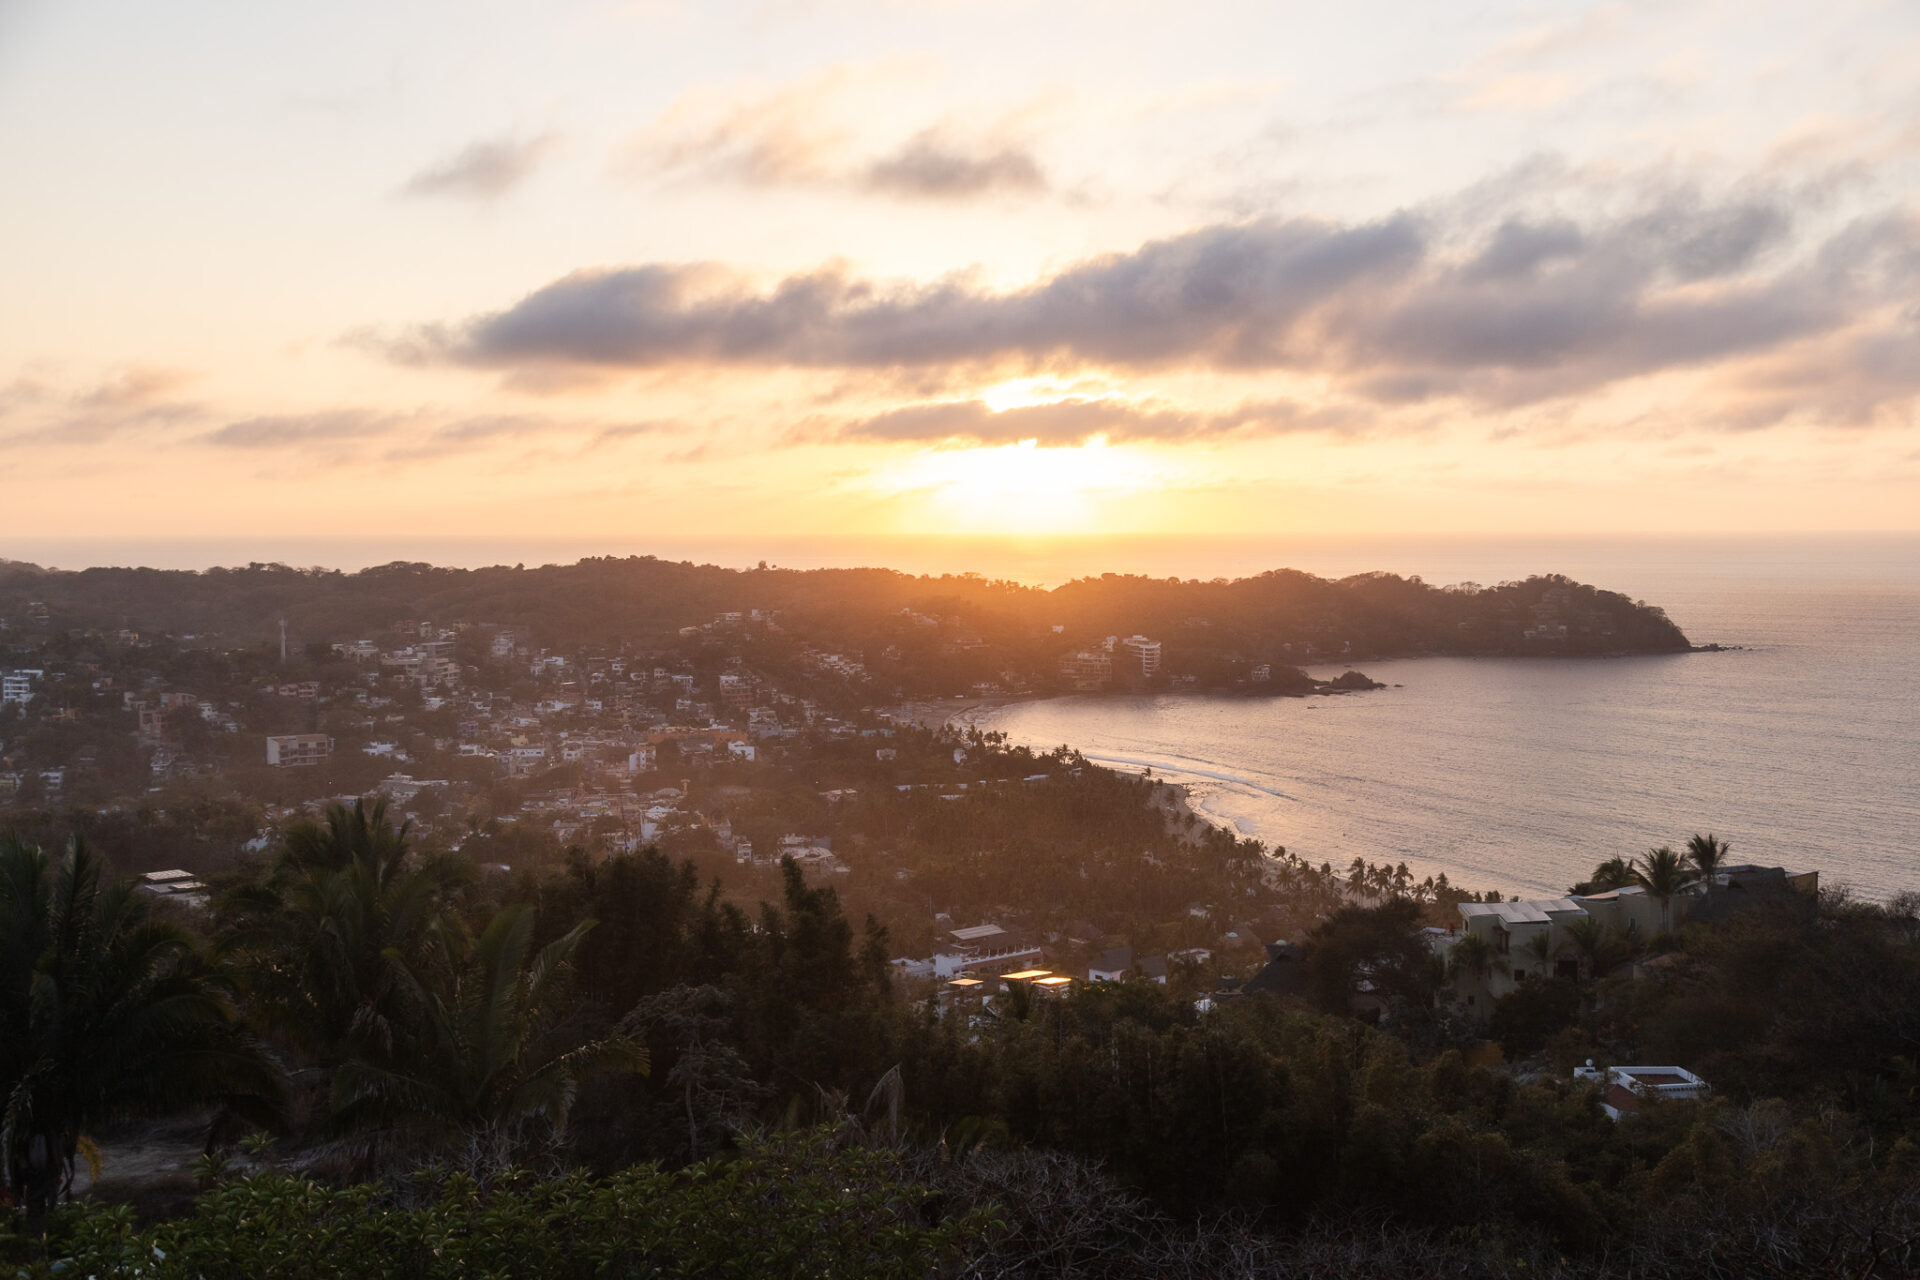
(1626, 1088)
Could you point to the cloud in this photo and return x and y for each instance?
(303, 430)
(789, 136)
(469, 435)
(816, 133)
(1226, 295)
(380, 438)
(132, 399)
(622, 432)
(135, 387)
(1479, 300)
(931, 167)
(1076, 420)
(483, 171)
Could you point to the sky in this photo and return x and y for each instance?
(635, 270)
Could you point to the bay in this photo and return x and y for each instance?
(1801, 747)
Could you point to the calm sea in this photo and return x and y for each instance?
(1802, 747)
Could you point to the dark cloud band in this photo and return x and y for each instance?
(1402, 308)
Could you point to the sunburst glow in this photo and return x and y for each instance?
(1019, 487)
(1019, 393)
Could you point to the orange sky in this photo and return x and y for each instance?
(631, 269)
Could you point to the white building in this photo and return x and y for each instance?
(1144, 651)
(1533, 939)
(526, 759)
(16, 687)
(289, 750)
(1626, 1087)
(178, 886)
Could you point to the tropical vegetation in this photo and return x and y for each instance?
(617, 1070)
(105, 1012)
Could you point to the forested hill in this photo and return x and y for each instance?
(1279, 616)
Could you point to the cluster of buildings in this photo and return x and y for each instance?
(1131, 662)
(1555, 937)
(976, 963)
(442, 711)
(976, 951)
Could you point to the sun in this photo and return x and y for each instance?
(1017, 488)
(1018, 393)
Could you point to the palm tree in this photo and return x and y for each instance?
(313, 937)
(1661, 873)
(104, 1012)
(487, 1060)
(1475, 959)
(1539, 950)
(1591, 942)
(1706, 853)
(1614, 873)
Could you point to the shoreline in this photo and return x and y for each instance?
(926, 714)
(1174, 799)
(960, 712)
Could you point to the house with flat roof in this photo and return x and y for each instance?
(1624, 1090)
(292, 750)
(1531, 939)
(980, 951)
(174, 886)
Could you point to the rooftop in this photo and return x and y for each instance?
(1536, 911)
(977, 933)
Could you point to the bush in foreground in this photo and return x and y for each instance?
(800, 1207)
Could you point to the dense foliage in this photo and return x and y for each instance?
(104, 1012)
(794, 1209)
(466, 1058)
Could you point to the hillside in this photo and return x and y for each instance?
(1282, 616)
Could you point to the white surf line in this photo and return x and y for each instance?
(1173, 772)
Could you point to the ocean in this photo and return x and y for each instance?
(1801, 747)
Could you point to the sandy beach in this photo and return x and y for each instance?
(1175, 799)
(961, 713)
(1172, 798)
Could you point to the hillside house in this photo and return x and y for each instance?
(1626, 1089)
